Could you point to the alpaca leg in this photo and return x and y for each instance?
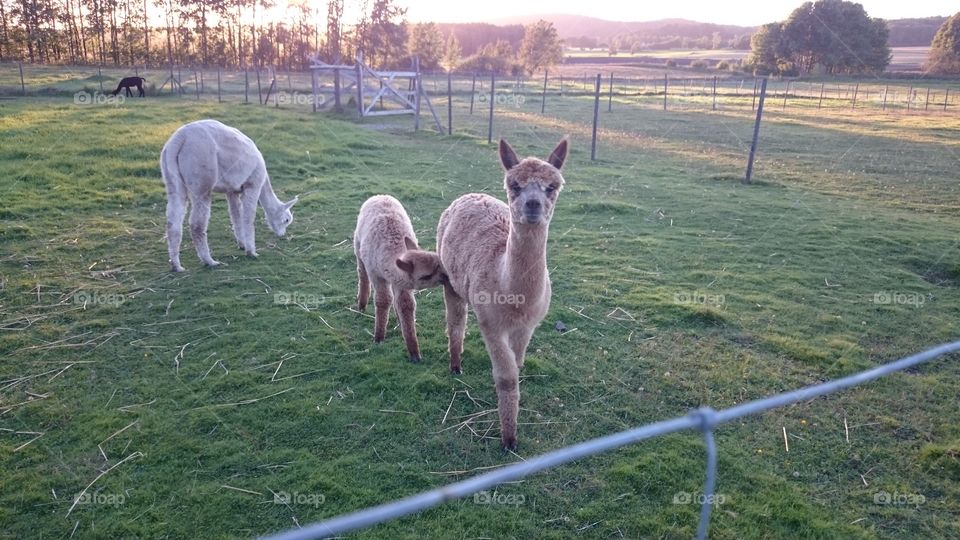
(233, 203)
(363, 286)
(456, 326)
(406, 306)
(248, 214)
(199, 218)
(519, 340)
(382, 301)
(506, 380)
(176, 211)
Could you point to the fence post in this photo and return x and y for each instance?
(180, 80)
(416, 121)
(909, 97)
(259, 88)
(219, 94)
(196, 85)
(315, 88)
(714, 92)
(665, 91)
(856, 90)
(946, 98)
(418, 78)
(886, 89)
(543, 100)
(23, 87)
(449, 104)
(926, 103)
(246, 85)
(753, 105)
(596, 111)
(100, 78)
(756, 133)
(493, 86)
(203, 89)
(610, 95)
(561, 85)
(473, 91)
(820, 103)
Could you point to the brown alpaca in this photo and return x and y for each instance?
(388, 257)
(495, 256)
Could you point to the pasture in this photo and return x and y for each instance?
(200, 397)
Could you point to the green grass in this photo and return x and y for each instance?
(784, 274)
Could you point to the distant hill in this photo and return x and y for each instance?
(914, 32)
(575, 26)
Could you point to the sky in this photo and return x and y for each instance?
(736, 12)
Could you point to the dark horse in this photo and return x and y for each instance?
(129, 82)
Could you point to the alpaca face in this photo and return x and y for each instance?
(422, 268)
(532, 184)
(281, 220)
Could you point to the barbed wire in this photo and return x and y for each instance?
(704, 420)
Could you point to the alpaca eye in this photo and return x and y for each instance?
(515, 187)
(551, 188)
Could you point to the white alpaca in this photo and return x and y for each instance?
(204, 157)
(388, 257)
(495, 257)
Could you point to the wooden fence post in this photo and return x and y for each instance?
(219, 94)
(543, 100)
(23, 87)
(449, 104)
(610, 95)
(946, 99)
(473, 91)
(665, 83)
(100, 78)
(714, 92)
(926, 103)
(493, 86)
(596, 110)
(246, 85)
(820, 103)
(756, 133)
(856, 91)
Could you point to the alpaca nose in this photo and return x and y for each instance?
(533, 205)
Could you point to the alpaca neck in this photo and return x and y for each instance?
(525, 261)
(268, 199)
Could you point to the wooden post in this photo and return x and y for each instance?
(946, 99)
(886, 89)
(23, 87)
(927, 102)
(493, 86)
(203, 89)
(856, 90)
(196, 85)
(418, 82)
(180, 79)
(543, 100)
(714, 92)
(610, 95)
(820, 103)
(259, 89)
(596, 110)
(756, 133)
(665, 91)
(100, 79)
(219, 94)
(909, 97)
(416, 120)
(337, 106)
(246, 85)
(561, 85)
(316, 89)
(473, 91)
(449, 104)
(785, 92)
(753, 105)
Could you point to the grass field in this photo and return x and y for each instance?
(189, 400)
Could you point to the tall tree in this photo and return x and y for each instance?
(333, 47)
(944, 56)
(427, 43)
(451, 52)
(541, 47)
(386, 37)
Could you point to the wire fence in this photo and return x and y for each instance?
(705, 420)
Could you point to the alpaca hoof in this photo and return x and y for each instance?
(252, 254)
(176, 268)
(509, 444)
(378, 339)
(415, 358)
(456, 370)
(214, 264)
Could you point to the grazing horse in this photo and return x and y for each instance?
(127, 83)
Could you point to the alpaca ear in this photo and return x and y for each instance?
(507, 156)
(559, 154)
(289, 205)
(406, 266)
(410, 243)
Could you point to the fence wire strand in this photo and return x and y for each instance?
(704, 420)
